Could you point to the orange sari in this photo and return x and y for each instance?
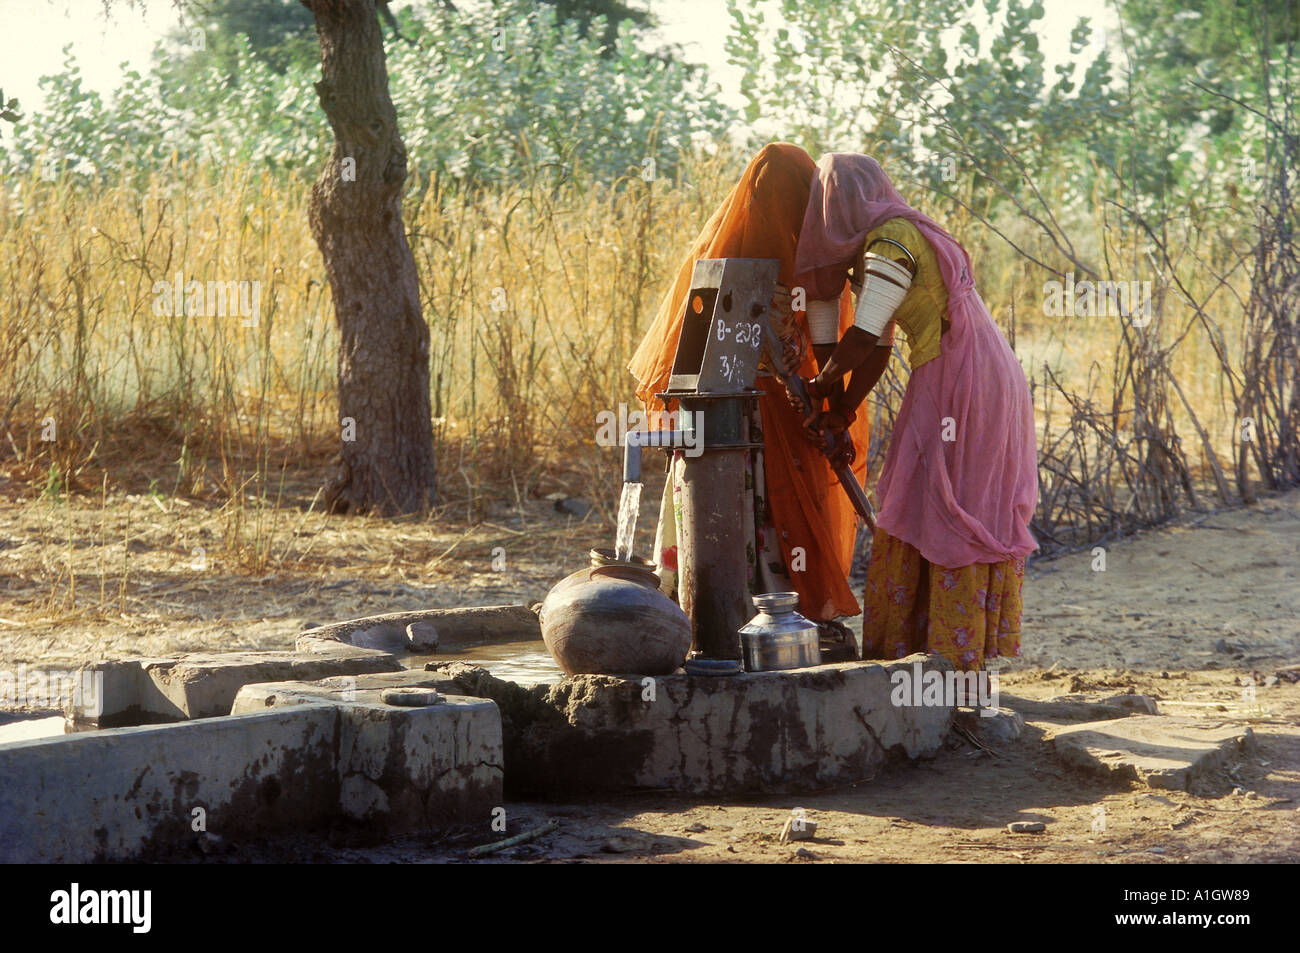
(816, 525)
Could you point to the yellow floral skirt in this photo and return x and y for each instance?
(967, 614)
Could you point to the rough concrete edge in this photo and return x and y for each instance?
(138, 691)
(888, 728)
(1165, 779)
(335, 689)
(460, 625)
(907, 747)
(1046, 712)
(360, 705)
(482, 781)
(63, 753)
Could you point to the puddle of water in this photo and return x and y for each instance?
(29, 728)
(524, 663)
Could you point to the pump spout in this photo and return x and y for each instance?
(634, 440)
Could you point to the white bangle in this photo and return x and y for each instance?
(824, 321)
(884, 286)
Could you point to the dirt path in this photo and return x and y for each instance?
(1168, 597)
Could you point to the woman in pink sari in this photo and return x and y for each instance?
(960, 479)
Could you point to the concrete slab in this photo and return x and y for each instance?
(204, 684)
(295, 756)
(403, 768)
(427, 629)
(1143, 704)
(16, 726)
(756, 732)
(1058, 711)
(127, 793)
(409, 769)
(1160, 751)
(1129, 702)
(339, 688)
(993, 727)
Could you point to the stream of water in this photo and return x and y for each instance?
(629, 508)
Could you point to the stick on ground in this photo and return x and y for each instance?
(517, 839)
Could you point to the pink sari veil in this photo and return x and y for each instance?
(960, 478)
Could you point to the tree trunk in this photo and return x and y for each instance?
(386, 462)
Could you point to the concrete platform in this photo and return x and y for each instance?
(126, 793)
(285, 741)
(425, 630)
(204, 684)
(1160, 751)
(757, 732)
(402, 768)
(286, 762)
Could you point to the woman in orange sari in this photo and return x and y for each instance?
(803, 529)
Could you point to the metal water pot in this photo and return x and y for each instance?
(779, 637)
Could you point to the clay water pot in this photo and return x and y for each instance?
(612, 619)
(600, 558)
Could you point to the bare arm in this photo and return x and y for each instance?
(835, 392)
(853, 350)
(865, 378)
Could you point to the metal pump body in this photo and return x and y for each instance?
(724, 329)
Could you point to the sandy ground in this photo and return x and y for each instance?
(1183, 614)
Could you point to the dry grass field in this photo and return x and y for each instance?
(536, 298)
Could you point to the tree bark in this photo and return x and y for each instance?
(356, 218)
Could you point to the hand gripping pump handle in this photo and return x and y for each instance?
(776, 355)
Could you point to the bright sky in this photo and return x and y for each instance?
(35, 31)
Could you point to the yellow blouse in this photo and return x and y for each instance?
(922, 315)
